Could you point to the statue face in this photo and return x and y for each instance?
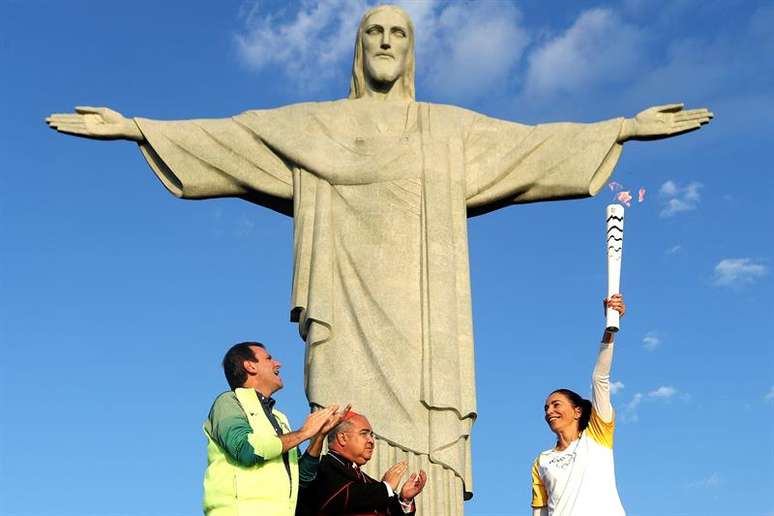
(385, 46)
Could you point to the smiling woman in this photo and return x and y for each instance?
(577, 476)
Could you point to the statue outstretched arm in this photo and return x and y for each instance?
(99, 123)
(664, 121)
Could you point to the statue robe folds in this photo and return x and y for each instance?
(381, 287)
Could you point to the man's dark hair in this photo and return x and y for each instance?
(576, 400)
(232, 362)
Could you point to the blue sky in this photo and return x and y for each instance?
(118, 300)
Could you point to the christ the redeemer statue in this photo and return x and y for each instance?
(379, 187)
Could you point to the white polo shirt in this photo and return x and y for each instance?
(579, 480)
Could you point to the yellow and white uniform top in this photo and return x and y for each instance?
(580, 480)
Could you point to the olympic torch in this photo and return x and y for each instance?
(615, 223)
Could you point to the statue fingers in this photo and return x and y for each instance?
(668, 108)
(76, 131)
(695, 115)
(699, 111)
(104, 114)
(57, 120)
(684, 127)
(63, 117)
(68, 126)
(85, 122)
(83, 110)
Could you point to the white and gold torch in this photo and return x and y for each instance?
(615, 224)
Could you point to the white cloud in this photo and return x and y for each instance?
(651, 341)
(244, 227)
(769, 395)
(598, 48)
(462, 49)
(663, 392)
(678, 198)
(723, 65)
(616, 387)
(674, 249)
(735, 272)
(711, 481)
(669, 188)
(629, 413)
(308, 44)
(467, 50)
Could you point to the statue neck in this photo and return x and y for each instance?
(386, 91)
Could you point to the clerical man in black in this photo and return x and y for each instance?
(341, 488)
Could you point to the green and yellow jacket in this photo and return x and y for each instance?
(247, 472)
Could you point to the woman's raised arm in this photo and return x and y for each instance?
(600, 378)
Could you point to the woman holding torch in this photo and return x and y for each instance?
(577, 476)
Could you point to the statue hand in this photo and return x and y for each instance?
(663, 122)
(98, 123)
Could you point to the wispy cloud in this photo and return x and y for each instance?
(244, 227)
(463, 50)
(720, 64)
(306, 43)
(599, 46)
(630, 411)
(674, 249)
(651, 341)
(467, 50)
(708, 482)
(664, 392)
(226, 223)
(769, 395)
(736, 272)
(678, 198)
(616, 387)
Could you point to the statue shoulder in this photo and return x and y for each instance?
(450, 113)
(291, 114)
(299, 108)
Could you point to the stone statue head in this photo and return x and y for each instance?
(384, 51)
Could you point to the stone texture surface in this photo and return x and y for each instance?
(381, 286)
(380, 187)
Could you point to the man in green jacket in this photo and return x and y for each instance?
(253, 464)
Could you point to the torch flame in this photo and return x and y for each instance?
(624, 198)
(614, 186)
